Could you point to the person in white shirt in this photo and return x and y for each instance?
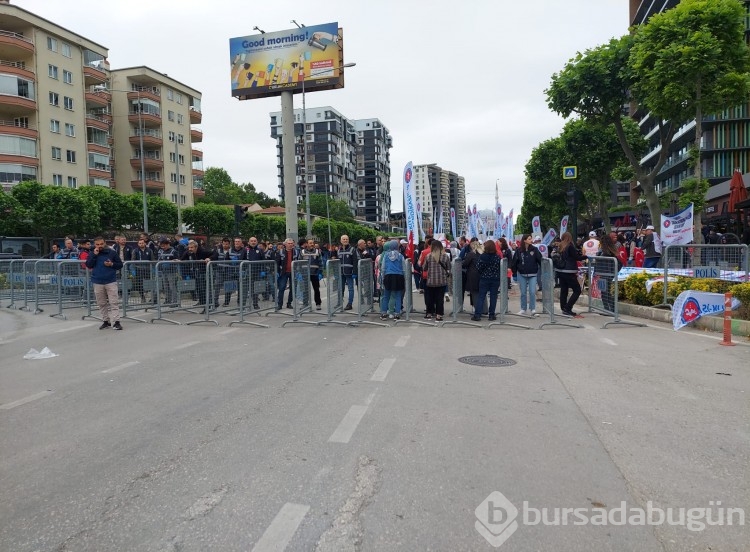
(591, 246)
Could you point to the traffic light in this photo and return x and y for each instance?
(240, 213)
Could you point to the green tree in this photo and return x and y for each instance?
(12, 216)
(208, 219)
(64, 212)
(219, 188)
(116, 211)
(27, 193)
(544, 189)
(689, 61)
(339, 210)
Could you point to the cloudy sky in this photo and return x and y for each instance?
(460, 84)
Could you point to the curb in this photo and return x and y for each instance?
(712, 323)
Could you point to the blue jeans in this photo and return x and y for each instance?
(348, 281)
(487, 285)
(528, 288)
(651, 262)
(283, 281)
(387, 294)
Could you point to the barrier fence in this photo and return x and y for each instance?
(458, 296)
(409, 310)
(501, 307)
(603, 290)
(257, 291)
(366, 292)
(547, 274)
(300, 283)
(334, 292)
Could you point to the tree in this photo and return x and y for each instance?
(338, 209)
(64, 212)
(219, 188)
(162, 214)
(596, 85)
(115, 211)
(27, 193)
(12, 216)
(544, 189)
(208, 219)
(689, 61)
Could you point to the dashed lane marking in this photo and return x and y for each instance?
(25, 400)
(402, 341)
(348, 425)
(120, 367)
(282, 528)
(382, 370)
(186, 345)
(73, 328)
(607, 341)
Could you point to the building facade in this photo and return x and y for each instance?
(64, 114)
(438, 190)
(348, 159)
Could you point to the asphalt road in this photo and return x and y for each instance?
(187, 438)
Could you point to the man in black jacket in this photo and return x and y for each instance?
(284, 259)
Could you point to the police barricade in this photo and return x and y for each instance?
(6, 278)
(501, 307)
(45, 279)
(727, 262)
(366, 292)
(15, 282)
(300, 283)
(458, 295)
(334, 292)
(74, 290)
(603, 291)
(257, 290)
(24, 285)
(547, 274)
(409, 311)
(171, 289)
(138, 286)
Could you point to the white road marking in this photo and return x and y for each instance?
(608, 341)
(588, 326)
(382, 370)
(282, 528)
(186, 345)
(72, 328)
(369, 398)
(230, 330)
(402, 341)
(348, 425)
(26, 400)
(121, 367)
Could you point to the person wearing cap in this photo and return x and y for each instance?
(591, 246)
(651, 243)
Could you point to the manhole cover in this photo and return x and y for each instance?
(487, 360)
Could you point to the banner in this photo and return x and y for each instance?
(691, 305)
(498, 218)
(564, 224)
(453, 223)
(549, 236)
(677, 229)
(536, 226)
(511, 225)
(410, 210)
(420, 225)
(473, 222)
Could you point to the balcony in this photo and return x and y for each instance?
(196, 135)
(100, 173)
(98, 98)
(196, 153)
(195, 116)
(17, 105)
(19, 160)
(151, 138)
(198, 190)
(149, 119)
(16, 68)
(150, 93)
(153, 185)
(10, 127)
(95, 121)
(198, 173)
(149, 162)
(14, 44)
(94, 75)
(93, 147)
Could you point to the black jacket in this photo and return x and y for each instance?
(526, 262)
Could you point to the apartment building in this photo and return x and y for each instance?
(438, 190)
(64, 114)
(348, 159)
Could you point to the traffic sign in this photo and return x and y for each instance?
(570, 172)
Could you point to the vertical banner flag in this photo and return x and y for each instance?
(498, 218)
(536, 226)
(549, 236)
(453, 223)
(504, 228)
(467, 224)
(410, 210)
(511, 225)
(420, 226)
(690, 305)
(564, 224)
(678, 229)
(473, 222)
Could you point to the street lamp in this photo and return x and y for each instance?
(141, 153)
(308, 221)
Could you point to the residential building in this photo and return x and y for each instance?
(348, 159)
(64, 115)
(438, 190)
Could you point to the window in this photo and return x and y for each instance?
(180, 119)
(72, 182)
(99, 161)
(170, 94)
(171, 136)
(68, 103)
(22, 122)
(52, 71)
(52, 44)
(65, 50)
(70, 155)
(17, 145)
(57, 179)
(56, 154)
(173, 179)
(174, 198)
(170, 115)
(182, 159)
(172, 157)
(182, 179)
(54, 126)
(180, 139)
(70, 129)
(54, 99)
(178, 98)
(67, 77)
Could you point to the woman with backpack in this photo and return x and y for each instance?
(526, 264)
(568, 275)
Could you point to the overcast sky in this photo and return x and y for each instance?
(460, 84)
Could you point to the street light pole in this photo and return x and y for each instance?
(179, 197)
(143, 169)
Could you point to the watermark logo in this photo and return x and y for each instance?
(496, 519)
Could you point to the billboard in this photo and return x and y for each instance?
(268, 64)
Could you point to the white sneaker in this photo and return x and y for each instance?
(521, 313)
(533, 312)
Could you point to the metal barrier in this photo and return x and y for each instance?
(458, 296)
(257, 290)
(547, 275)
(501, 308)
(25, 282)
(74, 289)
(138, 286)
(300, 293)
(366, 292)
(16, 275)
(170, 289)
(409, 310)
(721, 262)
(6, 277)
(334, 292)
(604, 287)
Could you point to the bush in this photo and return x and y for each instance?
(742, 292)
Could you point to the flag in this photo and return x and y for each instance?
(677, 229)
(511, 225)
(549, 236)
(498, 218)
(453, 223)
(473, 222)
(536, 226)
(410, 210)
(690, 305)
(564, 224)
(419, 221)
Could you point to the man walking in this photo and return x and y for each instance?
(105, 264)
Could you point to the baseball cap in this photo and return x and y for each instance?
(649, 227)
(403, 242)
(592, 234)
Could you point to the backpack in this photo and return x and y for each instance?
(557, 260)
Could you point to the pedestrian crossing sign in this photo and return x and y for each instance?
(570, 173)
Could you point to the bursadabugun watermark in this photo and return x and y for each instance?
(497, 517)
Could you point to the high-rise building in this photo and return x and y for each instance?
(438, 190)
(63, 114)
(348, 159)
(726, 135)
